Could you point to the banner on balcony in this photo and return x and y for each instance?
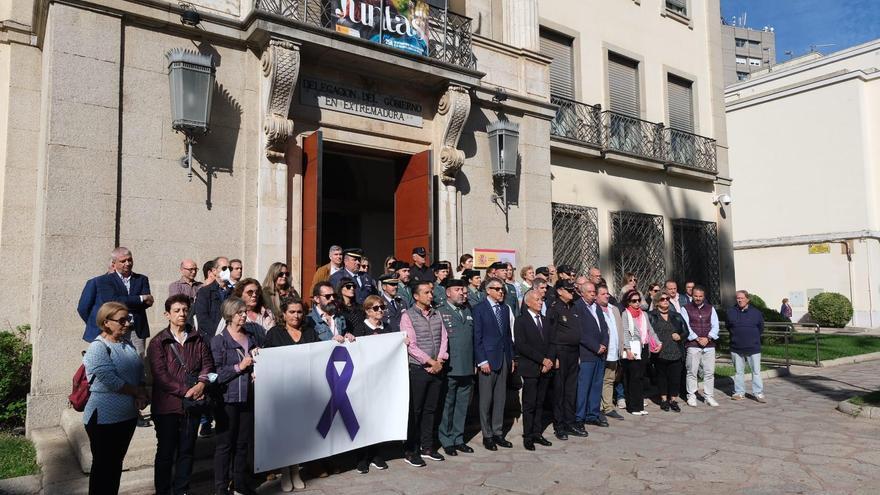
(312, 401)
(402, 24)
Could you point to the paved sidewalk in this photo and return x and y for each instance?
(797, 443)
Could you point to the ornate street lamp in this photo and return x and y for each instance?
(191, 77)
(503, 146)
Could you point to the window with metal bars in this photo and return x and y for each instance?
(695, 256)
(638, 246)
(575, 236)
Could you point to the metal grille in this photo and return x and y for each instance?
(637, 246)
(449, 34)
(577, 121)
(690, 150)
(695, 256)
(632, 136)
(575, 236)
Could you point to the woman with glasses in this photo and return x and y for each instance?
(637, 338)
(116, 377)
(250, 291)
(653, 290)
(276, 286)
(296, 329)
(672, 332)
(233, 349)
(346, 303)
(373, 324)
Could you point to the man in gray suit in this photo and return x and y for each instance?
(460, 368)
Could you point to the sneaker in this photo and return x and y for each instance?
(206, 430)
(737, 397)
(414, 460)
(760, 398)
(639, 413)
(692, 401)
(379, 463)
(621, 403)
(711, 401)
(432, 455)
(363, 467)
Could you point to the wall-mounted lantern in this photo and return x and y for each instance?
(191, 77)
(503, 146)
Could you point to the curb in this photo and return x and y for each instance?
(22, 485)
(776, 373)
(850, 360)
(856, 411)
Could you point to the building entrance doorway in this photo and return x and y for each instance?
(355, 197)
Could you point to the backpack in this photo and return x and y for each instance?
(79, 396)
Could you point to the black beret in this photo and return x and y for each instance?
(420, 251)
(542, 270)
(455, 282)
(399, 265)
(565, 269)
(498, 265)
(469, 274)
(565, 284)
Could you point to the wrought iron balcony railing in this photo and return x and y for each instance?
(632, 136)
(690, 150)
(447, 35)
(577, 121)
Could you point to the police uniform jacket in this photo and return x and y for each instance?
(364, 285)
(404, 292)
(566, 325)
(460, 328)
(475, 296)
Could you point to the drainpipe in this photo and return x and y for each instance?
(849, 263)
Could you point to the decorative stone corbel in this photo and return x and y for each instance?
(455, 105)
(281, 69)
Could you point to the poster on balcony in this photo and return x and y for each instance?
(402, 24)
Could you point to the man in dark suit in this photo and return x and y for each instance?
(88, 306)
(420, 269)
(493, 352)
(393, 303)
(209, 298)
(593, 347)
(132, 289)
(536, 358)
(351, 268)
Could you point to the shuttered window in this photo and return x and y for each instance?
(677, 6)
(681, 104)
(623, 85)
(559, 47)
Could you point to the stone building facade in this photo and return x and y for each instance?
(321, 137)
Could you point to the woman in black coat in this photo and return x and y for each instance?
(349, 309)
(672, 332)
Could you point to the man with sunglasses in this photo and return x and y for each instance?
(329, 324)
(566, 331)
(459, 325)
(351, 261)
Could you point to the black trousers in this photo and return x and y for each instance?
(633, 381)
(234, 434)
(424, 400)
(668, 376)
(176, 438)
(565, 387)
(533, 392)
(109, 444)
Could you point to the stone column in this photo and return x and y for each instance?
(453, 111)
(280, 62)
(521, 24)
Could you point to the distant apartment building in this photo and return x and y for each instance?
(746, 51)
(804, 150)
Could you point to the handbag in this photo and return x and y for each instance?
(191, 405)
(81, 390)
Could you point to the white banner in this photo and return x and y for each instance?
(316, 400)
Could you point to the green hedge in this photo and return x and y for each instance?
(756, 301)
(15, 376)
(830, 309)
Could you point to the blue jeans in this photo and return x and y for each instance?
(739, 364)
(589, 391)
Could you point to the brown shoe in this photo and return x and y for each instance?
(737, 397)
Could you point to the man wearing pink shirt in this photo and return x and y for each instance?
(427, 350)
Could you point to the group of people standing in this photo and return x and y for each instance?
(556, 335)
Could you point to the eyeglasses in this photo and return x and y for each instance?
(328, 296)
(251, 292)
(348, 286)
(493, 288)
(283, 274)
(379, 307)
(124, 321)
(190, 269)
(664, 298)
(242, 313)
(365, 266)
(635, 301)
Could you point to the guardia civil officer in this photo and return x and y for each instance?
(475, 293)
(404, 291)
(459, 325)
(351, 263)
(566, 332)
(441, 274)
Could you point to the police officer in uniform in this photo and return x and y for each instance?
(420, 269)
(475, 292)
(351, 267)
(393, 302)
(460, 368)
(441, 274)
(404, 291)
(566, 332)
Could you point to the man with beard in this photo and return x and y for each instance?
(328, 324)
(459, 369)
(404, 276)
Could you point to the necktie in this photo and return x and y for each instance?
(499, 317)
(540, 324)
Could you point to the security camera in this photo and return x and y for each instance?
(721, 199)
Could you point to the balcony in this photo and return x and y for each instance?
(576, 121)
(440, 35)
(691, 151)
(632, 136)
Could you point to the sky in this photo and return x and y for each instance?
(801, 23)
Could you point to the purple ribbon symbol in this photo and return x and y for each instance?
(339, 400)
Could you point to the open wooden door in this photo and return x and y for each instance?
(311, 208)
(413, 208)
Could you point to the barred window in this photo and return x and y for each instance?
(695, 256)
(575, 236)
(637, 246)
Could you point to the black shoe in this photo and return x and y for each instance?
(501, 442)
(674, 406)
(598, 422)
(464, 448)
(614, 414)
(363, 467)
(379, 463)
(414, 459)
(561, 435)
(432, 455)
(143, 422)
(206, 430)
(528, 443)
(664, 406)
(543, 441)
(577, 431)
(489, 443)
(450, 451)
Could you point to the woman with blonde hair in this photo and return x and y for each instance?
(276, 286)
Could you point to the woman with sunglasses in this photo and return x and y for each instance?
(638, 335)
(277, 286)
(251, 292)
(389, 264)
(296, 329)
(346, 303)
(373, 324)
(650, 297)
(116, 377)
(672, 332)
